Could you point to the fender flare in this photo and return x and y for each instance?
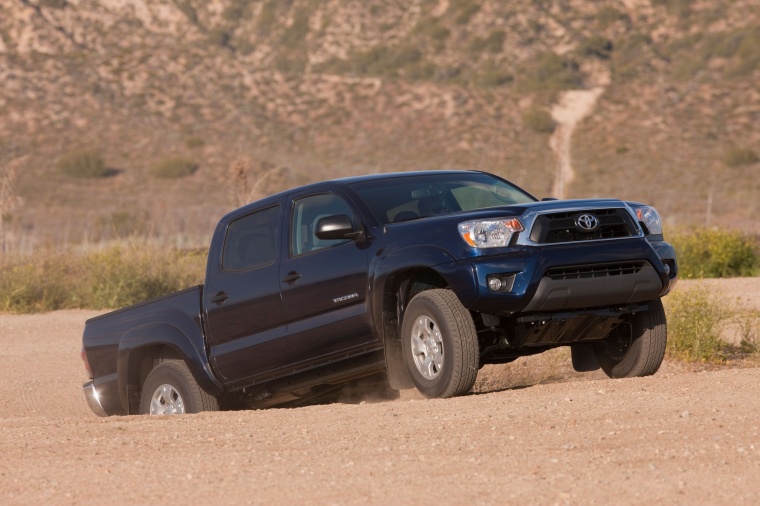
(404, 259)
(160, 335)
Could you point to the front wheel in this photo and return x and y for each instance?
(171, 389)
(637, 346)
(439, 344)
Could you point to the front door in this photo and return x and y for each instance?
(323, 284)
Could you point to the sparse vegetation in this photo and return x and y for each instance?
(121, 225)
(53, 4)
(108, 278)
(716, 253)
(608, 15)
(86, 163)
(736, 157)
(749, 333)
(631, 56)
(493, 43)
(551, 72)
(539, 120)
(194, 142)
(383, 61)
(694, 316)
(465, 10)
(597, 46)
(248, 180)
(491, 74)
(9, 197)
(174, 167)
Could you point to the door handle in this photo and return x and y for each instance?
(220, 297)
(292, 277)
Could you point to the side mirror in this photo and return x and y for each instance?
(338, 226)
(546, 199)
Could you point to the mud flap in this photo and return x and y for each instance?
(584, 359)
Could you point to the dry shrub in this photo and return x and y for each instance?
(539, 120)
(716, 253)
(736, 157)
(250, 180)
(174, 167)
(113, 277)
(749, 334)
(694, 324)
(85, 163)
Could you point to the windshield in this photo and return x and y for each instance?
(413, 197)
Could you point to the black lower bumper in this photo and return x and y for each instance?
(556, 293)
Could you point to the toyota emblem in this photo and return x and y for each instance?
(587, 222)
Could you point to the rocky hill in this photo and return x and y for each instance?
(652, 100)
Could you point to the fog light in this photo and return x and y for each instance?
(667, 269)
(501, 282)
(495, 284)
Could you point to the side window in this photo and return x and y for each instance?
(306, 213)
(251, 240)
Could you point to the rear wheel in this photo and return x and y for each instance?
(171, 389)
(637, 346)
(439, 344)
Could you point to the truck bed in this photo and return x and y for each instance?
(108, 338)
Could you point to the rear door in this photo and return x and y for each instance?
(323, 283)
(244, 315)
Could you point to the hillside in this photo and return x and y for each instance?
(337, 87)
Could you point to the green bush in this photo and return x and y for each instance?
(492, 74)
(632, 55)
(737, 157)
(465, 10)
(110, 278)
(53, 4)
(694, 318)
(194, 142)
(539, 120)
(608, 15)
(716, 253)
(552, 72)
(597, 46)
(493, 43)
(173, 168)
(86, 163)
(383, 61)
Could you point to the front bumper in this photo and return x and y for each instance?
(534, 290)
(93, 399)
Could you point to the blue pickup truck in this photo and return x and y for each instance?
(416, 279)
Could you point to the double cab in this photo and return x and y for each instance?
(390, 281)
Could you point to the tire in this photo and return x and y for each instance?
(439, 344)
(171, 389)
(636, 347)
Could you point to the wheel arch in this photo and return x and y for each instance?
(400, 287)
(141, 348)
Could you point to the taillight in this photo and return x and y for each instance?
(86, 364)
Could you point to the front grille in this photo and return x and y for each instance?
(562, 227)
(594, 270)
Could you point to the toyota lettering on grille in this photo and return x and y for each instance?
(587, 222)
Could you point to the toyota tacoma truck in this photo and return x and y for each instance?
(417, 279)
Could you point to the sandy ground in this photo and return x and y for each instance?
(683, 436)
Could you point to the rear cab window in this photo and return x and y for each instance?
(251, 241)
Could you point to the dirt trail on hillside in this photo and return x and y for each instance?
(681, 436)
(570, 109)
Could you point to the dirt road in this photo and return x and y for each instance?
(678, 437)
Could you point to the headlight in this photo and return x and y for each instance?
(650, 218)
(490, 233)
